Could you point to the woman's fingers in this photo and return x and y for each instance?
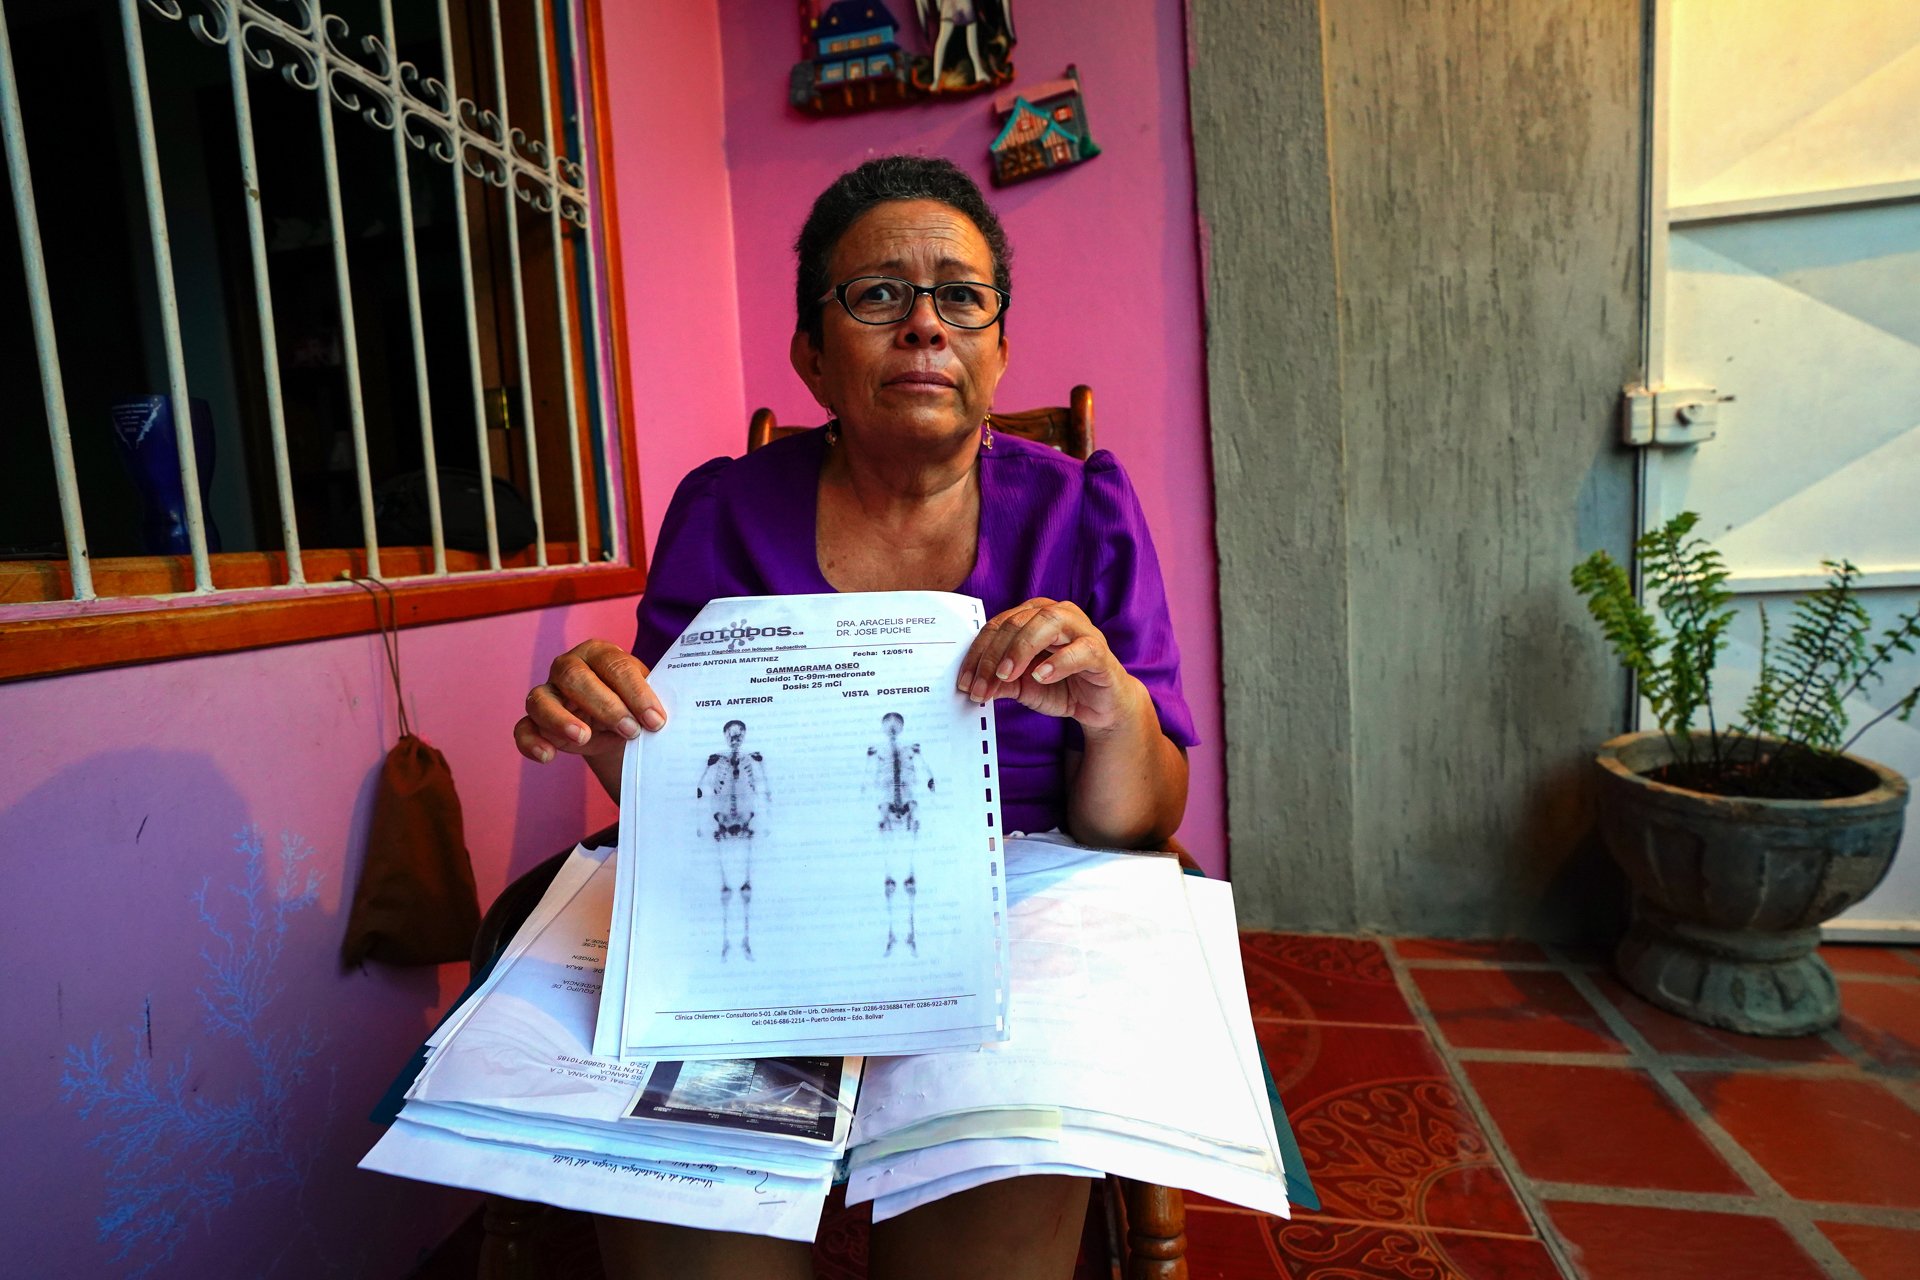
(1026, 640)
(604, 687)
(1052, 626)
(532, 743)
(977, 669)
(596, 694)
(555, 719)
(1082, 657)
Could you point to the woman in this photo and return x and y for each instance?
(901, 336)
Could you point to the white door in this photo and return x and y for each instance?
(1784, 272)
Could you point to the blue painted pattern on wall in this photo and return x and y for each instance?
(176, 1156)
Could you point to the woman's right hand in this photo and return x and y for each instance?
(595, 698)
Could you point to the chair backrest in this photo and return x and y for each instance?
(1068, 427)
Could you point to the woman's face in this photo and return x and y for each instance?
(919, 381)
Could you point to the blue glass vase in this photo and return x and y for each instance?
(143, 428)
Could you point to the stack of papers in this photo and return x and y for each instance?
(512, 1100)
(1132, 1049)
(812, 886)
(1132, 1052)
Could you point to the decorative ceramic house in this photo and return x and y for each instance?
(855, 39)
(857, 62)
(1045, 129)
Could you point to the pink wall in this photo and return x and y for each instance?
(127, 791)
(1106, 271)
(136, 787)
(683, 325)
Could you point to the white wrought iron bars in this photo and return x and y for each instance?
(311, 43)
(262, 283)
(350, 335)
(463, 166)
(517, 136)
(52, 389)
(396, 86)
(563, 297)
(163, 283)
(594, 347)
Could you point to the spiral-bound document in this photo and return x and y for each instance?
(810, 850)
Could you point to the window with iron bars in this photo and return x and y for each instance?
(312, 290)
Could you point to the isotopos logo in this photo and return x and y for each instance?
(738, 635)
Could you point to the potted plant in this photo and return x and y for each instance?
(1740, 839)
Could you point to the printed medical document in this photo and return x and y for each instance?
(1097, 937)
(809, 851)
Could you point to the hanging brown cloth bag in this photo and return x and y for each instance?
(415, 903)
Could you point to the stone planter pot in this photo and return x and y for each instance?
(1729, 892)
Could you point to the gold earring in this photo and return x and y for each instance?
(833, 431)
(986, 431)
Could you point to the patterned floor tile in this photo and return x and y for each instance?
(1513, 1009)
(1601, 1126)
(1883, 1018)
(1849, 1141)
(1321, 978)
(1892, 962)
(1245, 1246)
(1501, 951)
(1309, 1250)
(1633, 1242)
(840, 1246)
(1670, 1034)
(1384, 1133)
(1877, 1253)
(1228, 1246)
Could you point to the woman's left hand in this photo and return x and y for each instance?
(1048, 655)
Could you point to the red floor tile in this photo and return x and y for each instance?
(1632, 1242)
(1310, 1249)
(1668, 1033)
(1893, 962)
(1228, 1246)
(1840, 1140)
(1506, 950)
(1321, 979)
(1513, 1009)
(1384, 1133)
(840, 1245)
(1878, 1253)
(1883, 1018)
(1601, 1126)
(1245, 1246)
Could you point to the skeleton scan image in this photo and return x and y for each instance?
(735, 791)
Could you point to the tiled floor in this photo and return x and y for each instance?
(1499, 1111)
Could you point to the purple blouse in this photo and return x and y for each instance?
(1049, 526)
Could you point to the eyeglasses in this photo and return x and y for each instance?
(964, 304)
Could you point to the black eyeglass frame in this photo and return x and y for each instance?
(839, 293)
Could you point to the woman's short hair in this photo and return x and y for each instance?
(880, 181)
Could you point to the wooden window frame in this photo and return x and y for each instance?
(131, 630)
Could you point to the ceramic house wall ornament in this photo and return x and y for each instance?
(1045, 129)
(854, 60)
